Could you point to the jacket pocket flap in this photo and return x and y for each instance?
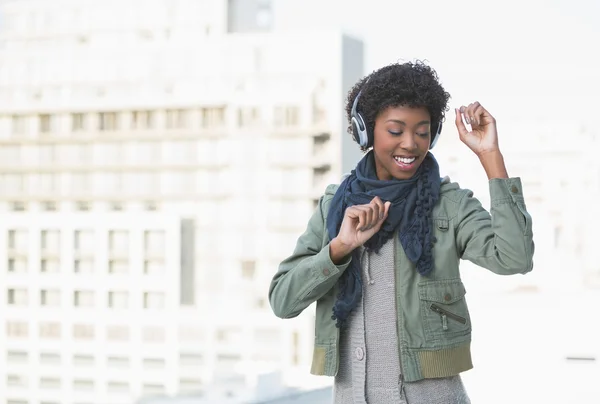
(444, 291)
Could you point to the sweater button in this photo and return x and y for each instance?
(514, 189)
(326, 272)
(360, 354)
(447, 297)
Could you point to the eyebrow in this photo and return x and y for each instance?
(404, 123)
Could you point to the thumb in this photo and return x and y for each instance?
(462, 129)
(386, 210)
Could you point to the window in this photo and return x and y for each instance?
(154, 300)
(248, 269)
(78, 122)
(176, 118)
(143, 120)
(16, 357)
(47, 154)
(83, 298)
(50, 330)
(14, 183)
(83, 385)
(118, 300)
(49, 266)
(213, 117)
(119, 362)
(50, 297)
(117, 333)
(18, 206)
(118, 241)
(118, 387)
(17, 297)
(49, 358)
(47, 183)
(47, 123)
(17, 329)
(151, 205)
(83, 331)
(154, 242)
(83, 206)
(50, 241)
(153, 388)
(191, 359)
(182, 152)
(83, 241)
(107, 121)
(16, 380)
(81, 182)
(287, 116)
(83, 266)
(49, 206)
(153, 363)
(17, 240)
(118, 266)
(190, 385)
(154, 267)
(18, 124)
(83, 360)
(153, 334)
(247, 116)
(17, 265)
(50, 383)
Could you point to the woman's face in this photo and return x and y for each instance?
(401, 141)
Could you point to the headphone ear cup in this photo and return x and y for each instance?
(359, 131)
(436, 137)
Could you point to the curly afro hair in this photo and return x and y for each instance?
(412, 84)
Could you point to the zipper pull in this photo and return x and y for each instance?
(444, 322)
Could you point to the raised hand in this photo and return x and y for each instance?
(483, 137)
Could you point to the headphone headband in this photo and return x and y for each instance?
(360, 133)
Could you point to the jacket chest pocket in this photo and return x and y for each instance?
(444, 311)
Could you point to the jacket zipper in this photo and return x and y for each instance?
(445, 314)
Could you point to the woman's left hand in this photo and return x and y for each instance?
(483, 137)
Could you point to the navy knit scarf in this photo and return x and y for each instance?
(409, 215)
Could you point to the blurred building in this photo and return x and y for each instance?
(157, 161)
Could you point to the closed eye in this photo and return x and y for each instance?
(395, 133)
(423, 134)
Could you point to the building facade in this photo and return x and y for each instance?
(155, 167)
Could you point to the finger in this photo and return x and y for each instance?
(377, 208)
(360, 213)
(462, 129)
(485, 115)
(471, 112)
(463, 112)
(479, 115)
(362, 219)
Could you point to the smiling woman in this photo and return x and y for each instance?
(381, 253)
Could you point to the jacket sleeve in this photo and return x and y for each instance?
(308, 273)
(502, 240)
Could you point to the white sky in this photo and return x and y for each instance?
(528, 59)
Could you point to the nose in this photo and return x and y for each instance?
(407, 142)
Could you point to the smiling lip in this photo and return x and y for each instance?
(405, 163)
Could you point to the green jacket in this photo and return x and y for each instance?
(434, 327)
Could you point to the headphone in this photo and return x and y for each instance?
(361, 135)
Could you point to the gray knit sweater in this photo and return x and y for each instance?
(369, 359)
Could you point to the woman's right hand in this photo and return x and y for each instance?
(360, 223)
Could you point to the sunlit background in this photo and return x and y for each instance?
(159, 158)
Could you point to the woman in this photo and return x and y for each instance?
(381, 253)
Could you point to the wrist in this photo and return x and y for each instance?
(493, 164)
(338, 251)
